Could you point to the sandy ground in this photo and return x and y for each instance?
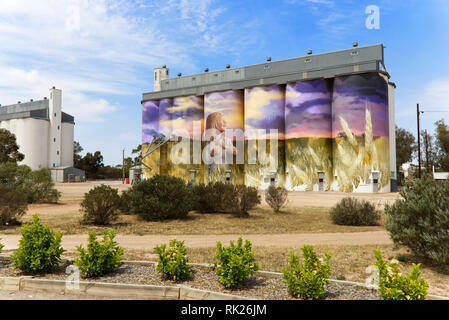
(148, 242)
(72, 194)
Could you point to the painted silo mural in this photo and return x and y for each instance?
(265, 157)
(332, 134)
(185, 118)
(308, 134)
(223, 110)
(360, 129)
(150, 135)
(165, 128)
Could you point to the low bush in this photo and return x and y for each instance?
(420, 220)
(99, 258)
(100, 205)
(246, 198)
(1, 246)
(234, 263)
(162, 197)
(395, 286)
(276, 197)
(224, 197)
(125, 202)
(211, 198)
(173, 261)
(353, 212)
(39, 249)
(307, 280)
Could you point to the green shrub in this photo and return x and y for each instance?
(307, 280)
(276, 197)
(13, 204)
(173, 261)
(246, 198)
(235, 263)
(211, 198)
(100, 205)
(39, 249)
(353, 212)
(41, 187)
(394, 286)
(125, 202)
(1, 246)
(100, 258)
(420, 220)
(223, 197)
(13, 194)
(162, 197)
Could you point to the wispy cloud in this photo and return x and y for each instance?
(94, 47)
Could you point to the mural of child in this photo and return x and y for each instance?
(215, 132)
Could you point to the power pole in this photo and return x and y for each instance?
(427, 154)
(123, 166)
(419, 143)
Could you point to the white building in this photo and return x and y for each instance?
(43, 132)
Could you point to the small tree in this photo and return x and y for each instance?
(420, 219)
(9, 150)
(13, 192)
(41, 187)
(100, 205)
(276, 197)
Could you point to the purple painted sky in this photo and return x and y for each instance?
(264, 108)
(352, 96)
(308, 109)
(150, 120)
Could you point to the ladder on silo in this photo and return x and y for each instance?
(156, 144)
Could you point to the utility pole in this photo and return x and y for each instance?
(123, 166)
(419, 143)
(427, 154)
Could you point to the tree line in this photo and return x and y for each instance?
(92, 163)
(434, 147)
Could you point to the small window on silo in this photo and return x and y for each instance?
(54, 139)
(57, 152)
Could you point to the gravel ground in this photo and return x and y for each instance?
(256, 287)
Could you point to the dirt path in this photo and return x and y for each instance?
(148, 242)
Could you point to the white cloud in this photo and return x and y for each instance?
(90, 48)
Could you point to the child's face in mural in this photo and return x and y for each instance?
(221, 125)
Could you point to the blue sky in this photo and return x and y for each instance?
(102, 53)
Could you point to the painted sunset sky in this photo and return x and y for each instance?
(308, 110)
(352, 96)
(229, 103)
(264, 109)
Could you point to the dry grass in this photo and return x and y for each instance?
(262, 220)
